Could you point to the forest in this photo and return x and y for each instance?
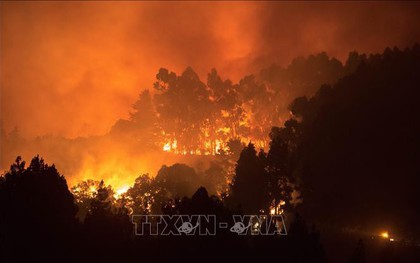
(331, 147)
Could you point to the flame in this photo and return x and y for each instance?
(118, 170)
(225, 113)
(219, 146)
(277, 210)
(167, 147)
(385, 234)
(80, 193)
(92, 189)
(224, 130)
(120, 191)
(209, 145)
(272, 211)
(170, 146)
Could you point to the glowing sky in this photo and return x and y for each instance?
(72, 69)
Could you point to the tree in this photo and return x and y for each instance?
(235, 147)
(199, 204)
(184, 108)
(106, 227)
(215, 178)
(280, 167)
(359, 254)
(178, 180)
(304, 244)
(144, 195)
(249, 184)
(37, 211)
(142, 127)
(84, 193)
(144, 119)
(228, 112)
(360, 136)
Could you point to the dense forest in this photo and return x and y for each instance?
(185, 115)
(337, 156)
(201, 123)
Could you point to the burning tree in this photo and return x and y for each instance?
(184, 115)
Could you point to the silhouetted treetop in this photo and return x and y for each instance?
(37, 211)
(357, 143)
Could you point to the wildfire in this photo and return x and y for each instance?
(170, 146)
(385, 234)
(272, 211)
(87, 189)
(117, 171)
(120, 191)
(92, 190)
(277, 210)
(167, 147)
(209, 147)
(213, 145)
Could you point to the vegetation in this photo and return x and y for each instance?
(349, 152)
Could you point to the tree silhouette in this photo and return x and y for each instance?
(304, 244)
(359, 254)
(145, 195)
(84, 193)
(235, 147)
(350, 148)
(193, 117)
(183, 105)
(105, 227)
(37, 212)
(249, 185)
(215, 178)
(280, 167)
(359, 136)
(178, 180)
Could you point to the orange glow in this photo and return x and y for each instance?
(272, 211)
(92, 189)
(118, 176)
(167, 147)
(277, 210)
(113, 164)
(91, 60)
(107, 68)
(120, 191)
(385, 234)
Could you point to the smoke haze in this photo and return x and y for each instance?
(72, 69)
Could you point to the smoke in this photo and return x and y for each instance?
(291, 29)
(72, 69)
